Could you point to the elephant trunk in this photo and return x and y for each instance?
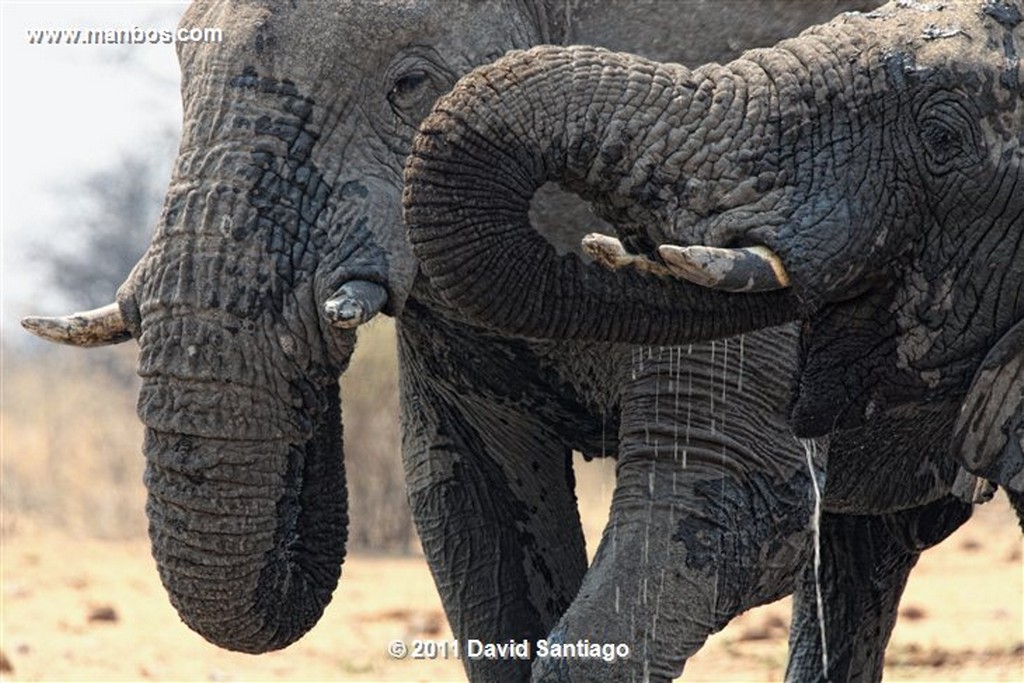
(248, 533)
(579, 116)
(244, 465)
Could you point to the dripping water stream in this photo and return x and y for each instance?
(811, 450)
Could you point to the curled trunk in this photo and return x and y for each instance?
(542, 115)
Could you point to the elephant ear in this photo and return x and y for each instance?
(989, 435)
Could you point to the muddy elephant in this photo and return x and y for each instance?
(281, 233)
(863, 179)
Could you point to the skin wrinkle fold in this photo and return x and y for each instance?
(244, 506)
(248, 480)
(643, 98)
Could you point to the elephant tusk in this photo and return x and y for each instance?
(750, 269)
(98, 327)
(355, 303)
(610, 253)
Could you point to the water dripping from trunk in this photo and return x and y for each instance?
(604, 452)
(689, 403)
(714, 595)
(725, 372)
(711, 392)
(651, 475)
(657, 606)
(675, 409)
(811, 451)
(647, 422)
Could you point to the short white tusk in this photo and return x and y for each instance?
(355, 303)
(98, 327)
(610, 253)
(749, 269)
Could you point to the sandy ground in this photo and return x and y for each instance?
(91, 610)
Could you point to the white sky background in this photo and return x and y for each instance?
(67, 111)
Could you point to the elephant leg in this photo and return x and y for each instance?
(492, 495)
(865, 563)
(710, 516)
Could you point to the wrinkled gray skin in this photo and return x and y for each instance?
(287, 192)
(880, 157)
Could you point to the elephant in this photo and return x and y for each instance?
(282, 233)
(862, 180)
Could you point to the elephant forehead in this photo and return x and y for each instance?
(326, 39)
(920, 37)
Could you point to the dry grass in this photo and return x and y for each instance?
(71, 444)
(378, 507)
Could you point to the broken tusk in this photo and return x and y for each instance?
(355, 303)
(98, 327)
(609, 252)
(605, 250)
(750, 269)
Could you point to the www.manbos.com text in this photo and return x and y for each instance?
(122, 36)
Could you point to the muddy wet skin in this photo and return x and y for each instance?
(871, 166)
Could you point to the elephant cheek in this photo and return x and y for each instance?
(846, 374)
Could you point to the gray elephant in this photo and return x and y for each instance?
(863, 178)
(281, 233)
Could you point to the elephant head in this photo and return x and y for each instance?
(280, 233)
(864, 177)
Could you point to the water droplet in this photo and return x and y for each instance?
(725, 367)
(811, 451)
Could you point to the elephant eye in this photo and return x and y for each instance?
(407, 85)
(948, 136)
(412, 95)
(942, 141)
